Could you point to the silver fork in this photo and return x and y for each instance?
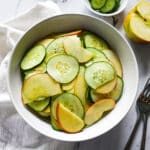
(143, 105)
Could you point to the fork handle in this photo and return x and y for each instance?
(145, 118)
(130, 140)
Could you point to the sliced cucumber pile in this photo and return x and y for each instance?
(71, 78)
(105, 6)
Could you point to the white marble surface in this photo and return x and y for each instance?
(117, 137)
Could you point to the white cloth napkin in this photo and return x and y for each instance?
(15, 134)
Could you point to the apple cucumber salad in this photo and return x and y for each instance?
(105, 6)
(73, 79)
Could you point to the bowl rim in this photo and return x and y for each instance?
(116, 12)
(90, 136)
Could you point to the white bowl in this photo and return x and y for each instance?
(65, 23)
(122, 6)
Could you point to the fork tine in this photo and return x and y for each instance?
(147, 83)
(145, 94)
(146, 91)
(149, 94)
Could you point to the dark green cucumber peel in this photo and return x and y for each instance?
(98, 56)
(33, 57)
(97, 4)
(105, 6)
(54, 124)
(94, 41)
(39, 105)
(108, 7)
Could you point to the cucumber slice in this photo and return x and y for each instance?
(92, 40)
(109, 6)
(33, 57)
(97, 4)
(97, 53)
(39, 86)
(70, 101)
(118, 1)
(50, 55)
(99, 73)
(39, 105)
(112, 56)
(117, 91)
(46, 112)
(97, 56)
(117, 4)
(55, 124)
(114, 94)
(63, 68)
(56, 46)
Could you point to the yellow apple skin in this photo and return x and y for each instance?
(140, 28)
(143, 8)
(68, 121)
(126, 24)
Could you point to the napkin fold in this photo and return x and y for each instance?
(15, 134)
(11, 31)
